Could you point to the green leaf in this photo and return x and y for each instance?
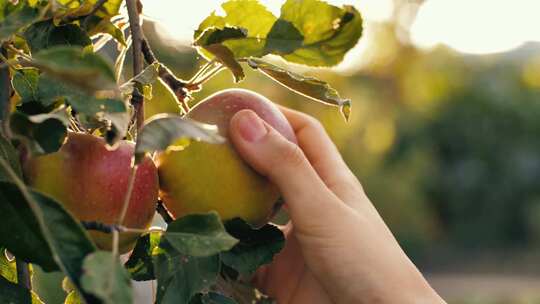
(161, 130)
(9, 154)
(75, 8)
(43, 133)
(215, 35)
(98, 25)
(147, 77)
(106, 278)
(11, 293)
(199, 235)
(20, 232)
(307, 86)
(310, 32)
(250, 16)
(73, 298)
(25, 83)
(15, 17)
(329, 32)
(45, 34)
(8, 269)
(140, 263)
(226, 57)
(180, 277)
(284, 38)
(66, 238)
(71, 64)
(256, 248)
(212, 298)
(210, 40)
(94, 112)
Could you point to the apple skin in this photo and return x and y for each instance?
(91, 181)
(205, 177)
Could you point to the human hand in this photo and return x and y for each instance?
(338, 248)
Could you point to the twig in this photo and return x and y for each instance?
(164, 212)
(177, 85)
(202, 70)
(23, 274)
(5, 90)
(105, 228)
(136, 36)
(204, 78)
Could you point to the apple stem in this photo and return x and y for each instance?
(202, 70)
(205, 77)
(136, 46)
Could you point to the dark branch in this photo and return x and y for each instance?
(177, 85)
(23, 274)
(98, 226)
(136, 38)
(167, 217)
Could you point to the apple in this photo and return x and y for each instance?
(204, 177)
(91, 181)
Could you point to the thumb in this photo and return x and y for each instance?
(284, 163)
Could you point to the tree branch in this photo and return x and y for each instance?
(177, 85)
(164, 212)
(136, 36)
(5, 88)
(23, 274)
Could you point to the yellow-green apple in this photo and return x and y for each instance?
(91, 181)
(204, 177)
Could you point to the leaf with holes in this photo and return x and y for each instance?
(180, 277)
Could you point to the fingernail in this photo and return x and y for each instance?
(251, 127)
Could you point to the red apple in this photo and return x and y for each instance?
(91, 182)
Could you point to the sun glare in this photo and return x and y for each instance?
(477, 26)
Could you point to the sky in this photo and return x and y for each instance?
(467, 26)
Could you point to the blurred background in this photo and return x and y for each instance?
(444, 133)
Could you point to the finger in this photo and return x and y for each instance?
(323, 155)
(284, 163)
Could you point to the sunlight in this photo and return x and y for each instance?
(477, 27)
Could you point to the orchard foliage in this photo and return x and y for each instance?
(55, 79)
